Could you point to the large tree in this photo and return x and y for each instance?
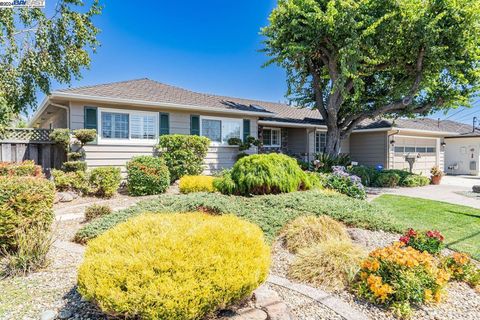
(36, 49)
(359, 59)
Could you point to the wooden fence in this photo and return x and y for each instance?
(17, 145)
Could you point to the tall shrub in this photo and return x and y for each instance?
(183, 154)
(264, 174)
(105, 181)
(147, 175)
(25, 202)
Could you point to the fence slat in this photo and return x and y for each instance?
(33, 152)
(21, 152)
(6, 152)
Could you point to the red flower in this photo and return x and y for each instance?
(435, 234)
(411, 233)
(405, 239)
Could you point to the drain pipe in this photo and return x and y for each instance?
(389, 143)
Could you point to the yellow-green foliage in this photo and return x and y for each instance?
(174, 266)
(306, 231)
(190, 184)
(331, 264)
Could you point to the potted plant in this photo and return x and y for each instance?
(437, 175)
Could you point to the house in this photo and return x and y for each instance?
(462, 152)
(130, 116)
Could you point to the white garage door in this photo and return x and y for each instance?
(426, 148)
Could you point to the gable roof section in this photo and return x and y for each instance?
(423, 124)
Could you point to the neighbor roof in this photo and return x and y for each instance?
(147, 90)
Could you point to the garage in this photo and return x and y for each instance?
(424, 150)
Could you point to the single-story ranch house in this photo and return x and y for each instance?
(130, 116)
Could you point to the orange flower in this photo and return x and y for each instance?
(461, 258)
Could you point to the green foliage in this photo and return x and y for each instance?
(61, 137)
(430, 241)
(25, 202)
(387, 179)
(38, 48)
(367, 174)
(75, 156)
(105, 181)
(415, 181)
(25, 168)
(147, 175)
(76, 181)
(270, 212)
(265, 174)
(174, 266)
(85, 135)
(324, 162)
(183, 154)
(96, 211)
(244, 145)
(462, 268)
(224, 183)
(190, 184)
(343, 182)
(358, 59)
(74, 166)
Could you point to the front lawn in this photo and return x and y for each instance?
(459, 224)
(270, 212)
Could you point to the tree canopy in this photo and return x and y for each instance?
(359, 59)
(36, 49)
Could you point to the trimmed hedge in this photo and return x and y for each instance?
(189, 184)
(147, 175)
(74, 166)
(264, 174)
(25, 168)
(25, 202)
(270, 212)
(76, 181)
(183, 154)
(388, 178)
(174, 266)
(105, 181)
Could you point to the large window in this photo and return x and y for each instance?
(271, 137)
(219, 130)
(320, 141)
(129, 125)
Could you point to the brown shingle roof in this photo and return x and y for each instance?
(152, 91)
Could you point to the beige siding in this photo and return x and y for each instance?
(218, 158)
(369, 149)
(297, 140)
(345, 146)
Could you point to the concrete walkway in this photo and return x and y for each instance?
(449, 191)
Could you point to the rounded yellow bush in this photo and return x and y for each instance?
(174, 266)
(308, 230)
(189, 184)
(331, 264)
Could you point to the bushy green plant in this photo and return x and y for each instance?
(85, 135)
(340, 180)
(462, 268)
(75, 156)
(190, 184)
(105, 181)
(367, 174)
(97, 210)
(61, 137)
(147, 175)
(415, 180)
(25, 168)
(183, 154)
(25, 202)
(265, 174)
(174, 266)
(270, 212)
(74, 166)
(386, 179)
(324, 162)
(244, 145)
(71, 181)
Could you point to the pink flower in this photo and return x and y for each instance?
(405, 239)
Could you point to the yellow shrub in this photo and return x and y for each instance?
(306, 231)
(174, 266)
(189, 184)
(332, 264)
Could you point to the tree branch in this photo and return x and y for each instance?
(318, 89)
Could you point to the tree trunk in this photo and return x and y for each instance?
(333, 140)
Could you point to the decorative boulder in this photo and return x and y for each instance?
(476, 189)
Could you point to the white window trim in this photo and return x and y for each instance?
(315, 139)
(223, 143)
(279, 137)
(129, 141)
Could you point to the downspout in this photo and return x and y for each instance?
(388, 147)
(67, 109)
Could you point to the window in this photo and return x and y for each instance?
(272, 137)
(126, 125)
(320, 141)
(220, 130)
(115, 125)
(402, 149)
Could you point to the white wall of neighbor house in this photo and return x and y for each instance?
(462, 156)
(118, 153)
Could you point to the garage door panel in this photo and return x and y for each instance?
(420, 145)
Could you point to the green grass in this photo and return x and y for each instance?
(270, 212)
(459, 224)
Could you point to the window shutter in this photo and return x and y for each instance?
(195, 125)
(164, 124)
(246, 129)
(90, 118)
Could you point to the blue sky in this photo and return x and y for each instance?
(207, 46)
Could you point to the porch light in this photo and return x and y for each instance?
(443, 144)
(392, 142)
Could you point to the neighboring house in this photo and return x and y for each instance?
(130, 116)
(462, 152)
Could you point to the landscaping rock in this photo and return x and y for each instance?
(65, 314)
(476, 189)
(48, 315)
(269, 301)
(250, 314)
(65, 197)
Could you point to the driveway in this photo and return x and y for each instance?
(449, 191)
